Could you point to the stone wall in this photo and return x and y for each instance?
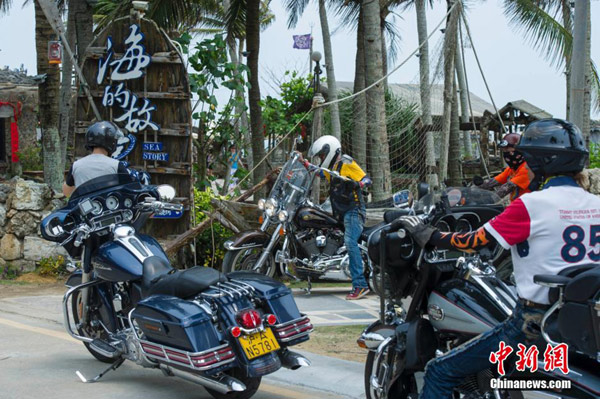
(23, 204)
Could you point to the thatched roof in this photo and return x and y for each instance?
(411, 93)
(525, 107)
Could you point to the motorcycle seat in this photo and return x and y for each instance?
(584, 286)
(160, 278)
(571, 271)
(390, 216)
(368, 230)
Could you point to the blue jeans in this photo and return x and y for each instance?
(444, 373)
(354, 221)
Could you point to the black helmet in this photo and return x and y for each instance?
(103, 134)
(553, 147)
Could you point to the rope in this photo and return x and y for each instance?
(464, 18)
(462, 52)
(395, 68)
(274, 147)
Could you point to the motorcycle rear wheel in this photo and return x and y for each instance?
(252, 385)
(245, 259)
(95, 315)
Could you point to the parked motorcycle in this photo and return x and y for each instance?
(222, 331)
(453, 299)
(313, 240)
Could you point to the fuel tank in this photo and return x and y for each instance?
(122, 259)
(463, 307)
(312, 218)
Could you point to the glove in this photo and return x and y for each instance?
(419, 231)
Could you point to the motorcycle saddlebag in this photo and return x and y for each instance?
(292, 326)
(579, 318)
(176, 323)
(417, 339)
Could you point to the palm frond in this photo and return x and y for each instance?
(347, 12)
(235, 19)
(5, 6)
(394, 39)
(295, 9)
(544, 32)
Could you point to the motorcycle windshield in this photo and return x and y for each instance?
(103, 183)
(295, 174)
(460, 196)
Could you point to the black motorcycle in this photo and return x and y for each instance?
(223, 332)
(301, 239)
(454, 298)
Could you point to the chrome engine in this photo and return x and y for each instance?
(316, 243)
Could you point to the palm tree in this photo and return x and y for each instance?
(295, 9)
(538, 20)
(376, 100)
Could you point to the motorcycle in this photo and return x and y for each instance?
(313, 240)
(126, 302)
(455, 298)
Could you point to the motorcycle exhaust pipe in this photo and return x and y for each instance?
(293, 360)
(223, 384)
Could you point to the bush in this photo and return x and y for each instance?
(213, 237)
(8, 273)
(31, 157)
(594, 156)
(53, 266)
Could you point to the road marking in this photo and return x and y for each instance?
(286, 393)
(38, 330)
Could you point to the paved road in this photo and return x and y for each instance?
(38, 359)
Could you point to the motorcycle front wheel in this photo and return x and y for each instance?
(245, 260)
(252, 385)
(96, 318)
(404, 386)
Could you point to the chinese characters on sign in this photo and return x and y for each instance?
(555, 357)
(137, 113)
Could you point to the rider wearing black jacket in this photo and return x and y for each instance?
(545, 234)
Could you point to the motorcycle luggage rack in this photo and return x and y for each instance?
(199, 361)
(230, 288)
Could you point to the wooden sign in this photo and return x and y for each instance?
(138, 80)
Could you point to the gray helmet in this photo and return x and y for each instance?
(103, 134)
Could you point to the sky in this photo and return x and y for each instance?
(514, 69)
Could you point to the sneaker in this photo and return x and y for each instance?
(357, 293)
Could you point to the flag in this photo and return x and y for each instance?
(302, 42)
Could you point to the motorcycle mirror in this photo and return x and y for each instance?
(477, 180)
(422, 190)
(166, 192)
(402, 199)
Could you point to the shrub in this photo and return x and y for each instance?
(214, 237)
(53, 266)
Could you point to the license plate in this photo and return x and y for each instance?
(259, 344)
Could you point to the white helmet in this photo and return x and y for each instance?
(328, 148)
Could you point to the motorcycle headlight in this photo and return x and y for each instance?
(282, 216)
(261, 204)
(270, 207)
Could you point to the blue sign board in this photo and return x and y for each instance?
(149, 146)
(165, 214)
(155, 156)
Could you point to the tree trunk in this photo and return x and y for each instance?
(449, 95)
(580, 66)
(359, 104)
(253, 43)
(244, 124)
(454, 169)
(317, 128)
(425, 92)
(376, 101)
(464, 101)
(65, 88)
(587, 94)
(568, 25)
(84, 26)
(48, 93)
(336, 129)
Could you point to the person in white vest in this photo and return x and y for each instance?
(546, 230)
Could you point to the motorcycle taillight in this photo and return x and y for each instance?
(249, 319)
